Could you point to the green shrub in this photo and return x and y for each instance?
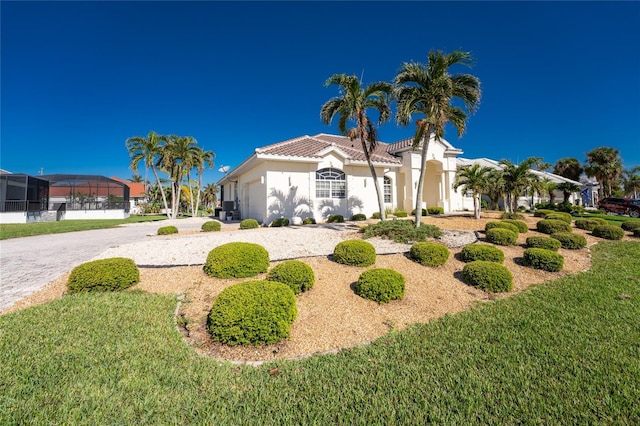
(166, 230)
(435, 210)
(473, 252)
(400, 213)
(355, 253)
(489, 276)
(547, 243)
(565, 217)
(335, 218)
(249, 224)
(294, 273)
(627, 226)
(501, 236)
(608, 232)
(211, 225)
(308, 221)
(237, 260)
(376, 215)
(551, 226)
(543, 213)
(522, 226)
(424, 212)
(569, 240)
(547, 260)
(429, 254)
(636, 232)
(252, 313)
(111, 274)
(513, 216)
(589, 224)
(358, 217)
(380, 285)
(401, 231)
(281, 221)
(504, 225)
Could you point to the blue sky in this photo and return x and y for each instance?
(79, 78)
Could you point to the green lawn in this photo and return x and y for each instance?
(613, 219)
(566, 352)
(16, 230)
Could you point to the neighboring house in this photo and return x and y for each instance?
(137, 195)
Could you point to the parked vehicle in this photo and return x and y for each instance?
(618, 205)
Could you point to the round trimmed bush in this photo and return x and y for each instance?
(501, 236)
(308, 221)
(375, 215)
(522, 226)
(513, 216)
(335, 218)
(569, 240)
(608, 232)
(565, 217)
(249, 224)
(211, 225)
(400, 213)
(504, 225)
(358, 217)
(429, 254)
(111, 274)
(252, 313)
(474, 252)
(435, 210)
(381, 285)
(543, 213)
(627, 226)
(237, 260)
(589, 224)
(489, 276)
(546, 260)
(294, 273)
(636, 232)
(281, 221)
(424, 212)
(355, 253)
(167, 230)
(551, 226)
(546, 243)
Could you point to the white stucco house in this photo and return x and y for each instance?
(316, 176)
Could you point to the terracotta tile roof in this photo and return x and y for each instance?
(315, 146)
(406, 143)
(136, 189)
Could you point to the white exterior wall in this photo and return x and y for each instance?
(95, 214)
(13, 217)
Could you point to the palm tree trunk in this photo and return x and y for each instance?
(476, 206)
(164, 197)
(190, 194)
(199, 190)
(423, 167)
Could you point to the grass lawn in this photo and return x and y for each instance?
(16, 230)
(567, 352)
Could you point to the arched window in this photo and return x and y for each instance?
(330, 183)
(387, 189)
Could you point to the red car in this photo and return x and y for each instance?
(617, 205)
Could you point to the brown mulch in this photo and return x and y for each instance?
(330, 315)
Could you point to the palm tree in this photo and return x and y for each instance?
(149, 150)
(353, 104)
(177, 160)
(205, 159)
(569, 168)
(548, 186)
(429, 90)
(494, 187)
(605, 165)
(631, 181)
(472, 178)
(567, 189)
(135, 178)
(209, 195)
(517, 179)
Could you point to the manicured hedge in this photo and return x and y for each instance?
(486, 252)
(522, 226)
(400, 213)
(565, 217)
(628, 226)
(501, 236)
(569, 240)
(355, 253)
(335, 218)
(543, 213)
(512, 216)
(608, 232)
(424, 212)
(281, 221)
(376, 215)
(504, 225)
(546, 260)
(551, 226)
(380, 285)
(113, 274)
(435, 210)
(358, 217)
(489, 276)
(429, 254)
(547, 243)
(589, 224)
(636, 232)
(167, 230)
(294, 273)
(249, 224)
(237, 260)
(252, 313)
(308, 221)
(211, 225)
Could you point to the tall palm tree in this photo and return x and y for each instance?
(205, 159)
(517, 179)
(569, 168)
(210, 195)
(547, 186)
(176, 160)
(428, 89)
(472, 178)
(353, 104)
(494, 187)
(605, 165)
(567, 189)
(149, 150)
(135, 178)
(631, 181)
